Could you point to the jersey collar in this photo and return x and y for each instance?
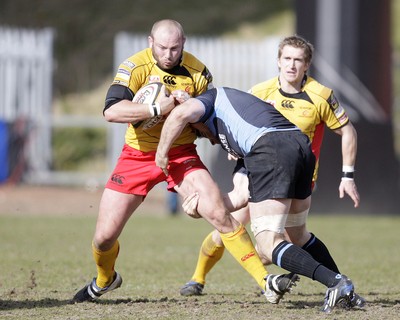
(303, 82)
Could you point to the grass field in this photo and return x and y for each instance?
(45, 259)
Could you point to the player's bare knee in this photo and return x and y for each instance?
(220, 220)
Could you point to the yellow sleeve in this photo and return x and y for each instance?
(329, 108)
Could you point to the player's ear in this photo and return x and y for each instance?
(151, 41)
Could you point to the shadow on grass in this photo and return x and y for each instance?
(291, 303)
(33, 304)
(212, 300)
(216, 300)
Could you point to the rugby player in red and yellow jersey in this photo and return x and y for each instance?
(136, 173)
(311, 107)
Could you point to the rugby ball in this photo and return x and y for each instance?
(148, 94)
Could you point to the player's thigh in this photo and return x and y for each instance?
(199, 181)
(114, 211)
(210, 198)
(269, 207)
(300, 205)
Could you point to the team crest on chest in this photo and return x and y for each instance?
(287, 104)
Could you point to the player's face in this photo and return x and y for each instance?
(292, 65)
(167, 48)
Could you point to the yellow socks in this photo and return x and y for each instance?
(210, 253)
(105, 261)
(239, 244)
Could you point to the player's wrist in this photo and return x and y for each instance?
(348, 173)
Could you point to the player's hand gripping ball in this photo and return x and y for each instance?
(149, 94)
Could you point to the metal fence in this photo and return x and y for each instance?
(26, 69)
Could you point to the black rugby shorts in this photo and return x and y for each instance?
(280, 166)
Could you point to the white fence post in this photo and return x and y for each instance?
(26, 78)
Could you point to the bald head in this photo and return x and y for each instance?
(168, 26)
(166, 42)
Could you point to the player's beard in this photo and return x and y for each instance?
(166, 64)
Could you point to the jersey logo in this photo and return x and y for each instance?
(169, 80)
(154, 79)
(117, 178)
(288, 104)
(225, 145)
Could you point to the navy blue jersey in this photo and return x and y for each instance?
(238, 119)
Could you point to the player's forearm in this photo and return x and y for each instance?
(126, 111)
(349, 146)
(170, 132)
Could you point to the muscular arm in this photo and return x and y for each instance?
(349, 153)
(349, 144)
(190, 111)
(125, 111)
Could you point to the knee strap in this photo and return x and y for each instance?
(297, 219)
(275, 223)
